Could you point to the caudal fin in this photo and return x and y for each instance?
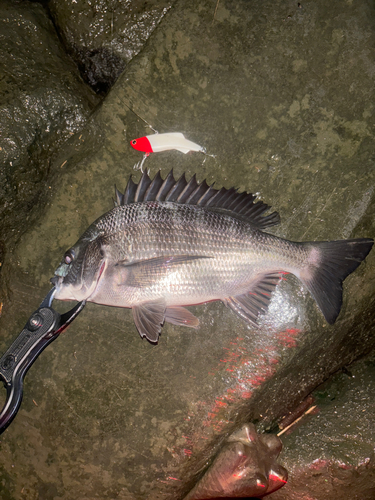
(330, 262)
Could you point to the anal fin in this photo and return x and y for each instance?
(149, 318)
(256, 301)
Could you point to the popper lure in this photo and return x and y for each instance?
(165, 142)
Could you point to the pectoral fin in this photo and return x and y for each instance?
(256, 301)
(149, 318)
(144, 273)
(181, 316)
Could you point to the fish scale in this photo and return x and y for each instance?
(192, 244)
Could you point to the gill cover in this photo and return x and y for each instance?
(80, 269)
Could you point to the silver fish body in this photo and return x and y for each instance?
(158, 255)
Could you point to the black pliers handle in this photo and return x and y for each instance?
(43, 326)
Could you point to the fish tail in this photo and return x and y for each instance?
(329, 263)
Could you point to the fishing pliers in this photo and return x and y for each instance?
(43, 326)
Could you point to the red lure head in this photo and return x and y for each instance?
(141, 144)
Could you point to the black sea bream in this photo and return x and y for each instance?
(168, 244)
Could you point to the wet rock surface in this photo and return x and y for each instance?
(331, 452)
(43, 102)
(103, 36)
(281, 94)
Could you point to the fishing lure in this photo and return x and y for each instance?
(165, 142)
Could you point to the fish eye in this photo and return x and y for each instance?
(69, 256)
(134, 142)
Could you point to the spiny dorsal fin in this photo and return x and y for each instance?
(226, 201)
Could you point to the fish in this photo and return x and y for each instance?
(169, 243)
(164, 142)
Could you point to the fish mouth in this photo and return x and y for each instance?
(56, 280)
(68, 291)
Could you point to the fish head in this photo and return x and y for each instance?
(80, 270)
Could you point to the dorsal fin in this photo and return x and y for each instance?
(226, 201)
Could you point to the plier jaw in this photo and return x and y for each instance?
(43, 326)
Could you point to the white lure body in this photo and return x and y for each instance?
(165, 142)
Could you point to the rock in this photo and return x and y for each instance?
(42, 103)
(330, 453)
(102, 37)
